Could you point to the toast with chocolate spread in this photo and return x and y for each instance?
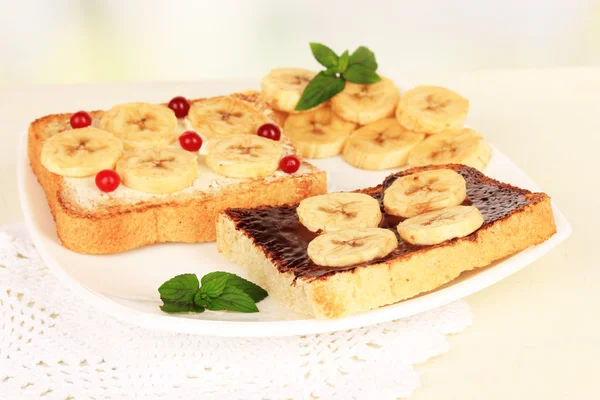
(271, 243)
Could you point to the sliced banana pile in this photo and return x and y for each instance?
(81, 152)
(431, 202)
(432, 109)
(464, 146)
(364, 104)
(382, 144)
(283, 87)
(373, 126)
(141, 125)
(222, 116)
(318, 133)
(244, 156)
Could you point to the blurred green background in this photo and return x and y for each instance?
(65, 41)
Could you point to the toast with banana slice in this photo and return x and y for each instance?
(345, 253)
(166, 193)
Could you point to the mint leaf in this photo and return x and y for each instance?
(181, 289)
(213, 275)
(331, 71)
(343, 62)
(219, 291)
(213, 287)
(320, 89)
(324, 55)
(233, 299)
(254, 291)
(365, 57)
(360, 74)
(173, 308)
(202, 300)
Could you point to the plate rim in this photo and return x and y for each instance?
(171, 323)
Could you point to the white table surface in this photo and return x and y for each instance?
(536, 334)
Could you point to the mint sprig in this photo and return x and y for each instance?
(320, 89)
(216, 291)
(358, 67)
(365, 57)
(324, 55)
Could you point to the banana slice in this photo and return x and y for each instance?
(421, 192)
(279, 117)
(380, 145)
(337, 211)
(222, 116)
(464, 146)
(364, 104)
(432, 109)
(351, 246)
(244, 156)
(160, 170)
(141, 124)
(283, 87)
(318, 133)
(81, 152)
(440, 225)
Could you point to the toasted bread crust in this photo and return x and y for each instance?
(123, 227)
(376, 285)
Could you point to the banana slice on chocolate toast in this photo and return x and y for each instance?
(438, 226)
(337, 211)
(351, 246)
(421, 192)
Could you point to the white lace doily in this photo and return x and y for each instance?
(54, 345)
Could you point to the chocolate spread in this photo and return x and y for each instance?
(285, 240)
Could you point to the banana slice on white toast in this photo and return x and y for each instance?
(283, 87)
(81, 152)
(222, 116)
(318, 133)
(141, 124)
(351, 246)
(158, 170)
(244, 156)
(364, 104)
(437, 226)
(421, 192)
(432, 109)
(338, 211)
(380, 145)
(463, 146)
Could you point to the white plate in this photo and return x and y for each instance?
(125, 285)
